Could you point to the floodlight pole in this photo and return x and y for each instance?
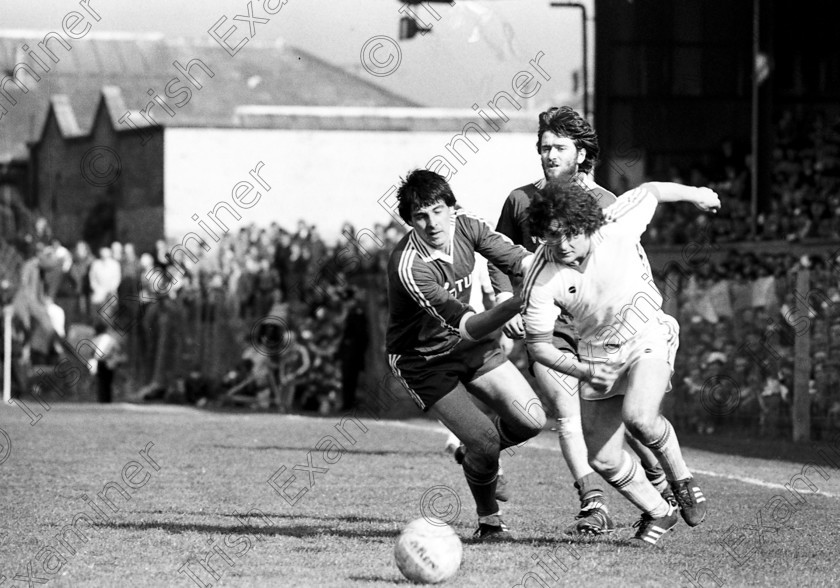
(754, 121)
(7, 353)
(585, 51)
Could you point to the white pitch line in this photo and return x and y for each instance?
(758, 482)
(535, 445)
(159, 408)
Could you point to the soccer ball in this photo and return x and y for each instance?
(428, 551)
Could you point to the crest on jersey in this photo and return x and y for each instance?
(572, 290)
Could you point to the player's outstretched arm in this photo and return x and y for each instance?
(478, 326)
(564, 362)
(702, 198)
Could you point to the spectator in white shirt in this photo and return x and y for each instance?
(105, 276)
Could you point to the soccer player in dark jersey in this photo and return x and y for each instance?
(442, 351)
(568, 148)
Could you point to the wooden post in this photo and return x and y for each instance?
(801, 409)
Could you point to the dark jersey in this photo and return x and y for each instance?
(429, 290)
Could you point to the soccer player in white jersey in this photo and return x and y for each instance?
(568, 148)
(591, 264)
(442, 351)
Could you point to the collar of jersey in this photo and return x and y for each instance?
(429, 254)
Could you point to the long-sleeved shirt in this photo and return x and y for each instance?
(611, 296)
(429, 289)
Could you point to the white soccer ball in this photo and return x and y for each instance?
(428, 551)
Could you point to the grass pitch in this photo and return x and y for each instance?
(128, 495)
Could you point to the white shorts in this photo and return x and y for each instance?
(660, 341)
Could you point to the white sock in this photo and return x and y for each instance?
(666, 447)
(630, 480)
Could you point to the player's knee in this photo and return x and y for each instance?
(641, 424)
(605, 464)
(481, 462)
(531, 418)
(534, 426)
(484, 445)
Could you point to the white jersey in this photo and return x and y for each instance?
(611, 296)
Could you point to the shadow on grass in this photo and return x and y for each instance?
(765, 448)
(342, 518)
(310, 448)
(297, 531)
(395, 579)
(548, 541)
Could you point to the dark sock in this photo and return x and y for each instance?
(590, 487)
(482, 484)
(656, 476)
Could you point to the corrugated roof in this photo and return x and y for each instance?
(369, 118)
(260, 74)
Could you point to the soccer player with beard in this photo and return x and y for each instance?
(568, 149)
(593, 266)
(442, 351)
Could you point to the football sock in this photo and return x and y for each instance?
(570, 435)
(667, 448)
(630, 481)
(590, 487)
(656, 476)
(482, 484)
(642, 451)
(494, 519)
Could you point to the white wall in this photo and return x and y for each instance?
(328, 177)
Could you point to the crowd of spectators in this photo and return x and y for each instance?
(283, 320)
(805, 199)
(740, 322)
(734, 370)
(290, 309)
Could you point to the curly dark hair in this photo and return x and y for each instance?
(422, 188)
(564, 208)
(566, 122)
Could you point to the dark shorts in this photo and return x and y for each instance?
(428, 380)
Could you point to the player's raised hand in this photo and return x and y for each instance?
(707, 199)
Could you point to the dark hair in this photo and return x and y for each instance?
(565, 122)
(422, 188)
(564, 208)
